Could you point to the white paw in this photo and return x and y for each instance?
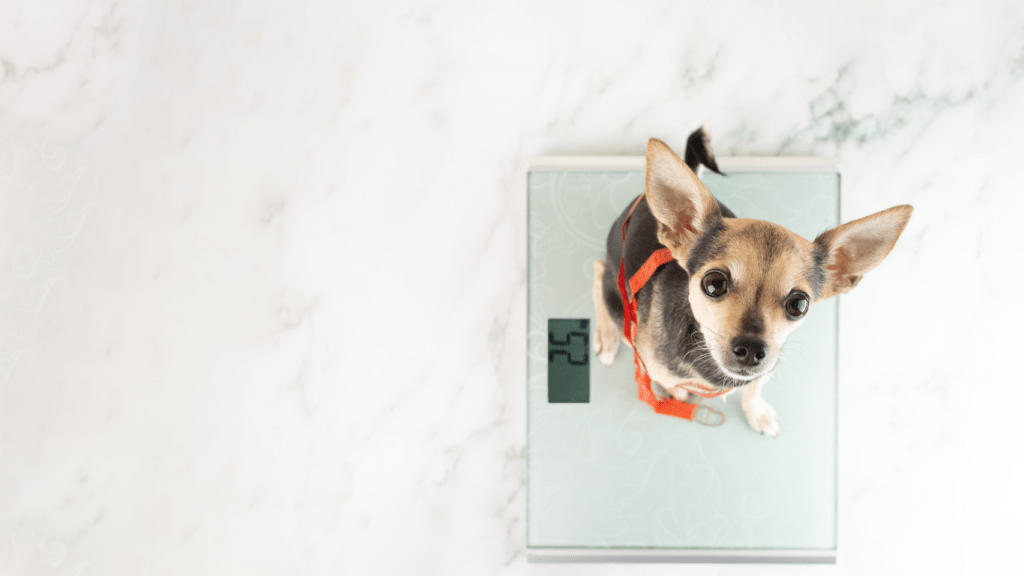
(606, 348)
(762, 419)
(679, 393)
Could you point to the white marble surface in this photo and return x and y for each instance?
(262, 267)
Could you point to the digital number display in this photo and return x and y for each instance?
(568, 360)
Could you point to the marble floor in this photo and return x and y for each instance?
(262, 267)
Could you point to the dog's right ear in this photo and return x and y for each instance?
(679, 201)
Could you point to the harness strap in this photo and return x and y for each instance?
(666, 406)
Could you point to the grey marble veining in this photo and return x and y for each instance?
(262, 267)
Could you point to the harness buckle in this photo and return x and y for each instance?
(708, 416)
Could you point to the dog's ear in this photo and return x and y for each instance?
(682, 205)
(849, 251)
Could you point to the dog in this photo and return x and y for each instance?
(715, 317)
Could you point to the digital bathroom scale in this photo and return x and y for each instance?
(608, 479)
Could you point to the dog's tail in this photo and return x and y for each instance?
(698, 151)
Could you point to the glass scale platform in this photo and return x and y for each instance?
(608, 480)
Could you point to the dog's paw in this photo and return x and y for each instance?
(606, 337)
(679, 393)
(762, 418)
(605, 351)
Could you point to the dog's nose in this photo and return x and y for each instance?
(749, 351)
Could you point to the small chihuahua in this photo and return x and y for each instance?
(716, 318)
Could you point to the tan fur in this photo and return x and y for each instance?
(606, 337)
(855, 248)
(760, 415)
(677, 198)
(755, 285)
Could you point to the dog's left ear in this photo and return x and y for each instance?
(855, 248)
(678, 199)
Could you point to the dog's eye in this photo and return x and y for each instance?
(796, 305)
(715, 283)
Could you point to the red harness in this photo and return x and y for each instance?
(667, 406)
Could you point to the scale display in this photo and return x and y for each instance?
(568, 360)
(607, 478)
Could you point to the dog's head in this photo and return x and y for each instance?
(752, 282)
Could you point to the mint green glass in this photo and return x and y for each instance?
(610, 475)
